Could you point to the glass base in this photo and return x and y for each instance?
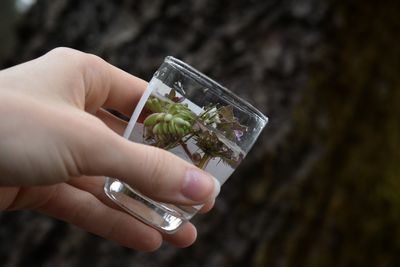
(164, 217)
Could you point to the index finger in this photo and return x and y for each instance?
(100, 83)
(109, 86)
(125, 90)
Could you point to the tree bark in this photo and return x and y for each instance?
(320, 186)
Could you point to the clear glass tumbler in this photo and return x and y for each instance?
(194, 117)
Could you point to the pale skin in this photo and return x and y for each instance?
(57, 143)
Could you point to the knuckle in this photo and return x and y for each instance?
(94, 70)
(83, 61)
(64, 54)
(96, 73)
(62, 51)
(90, 61)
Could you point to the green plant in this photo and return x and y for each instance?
(171, 123)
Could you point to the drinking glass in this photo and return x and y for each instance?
(197, 119)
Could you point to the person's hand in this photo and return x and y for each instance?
(57, 142)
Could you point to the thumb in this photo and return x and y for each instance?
(156, 173)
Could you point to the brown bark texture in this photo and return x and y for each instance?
(320, 187)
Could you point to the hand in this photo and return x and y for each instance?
(57, 142)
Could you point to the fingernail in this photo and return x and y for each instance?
(197, 185)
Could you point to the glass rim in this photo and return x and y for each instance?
(214, 86)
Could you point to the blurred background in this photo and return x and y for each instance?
(320, 188)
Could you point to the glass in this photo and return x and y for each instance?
(194, 117)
